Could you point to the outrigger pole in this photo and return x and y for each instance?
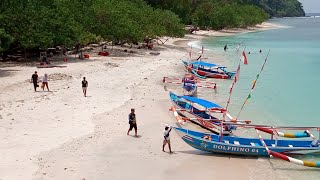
(253, 85)
(288, 158)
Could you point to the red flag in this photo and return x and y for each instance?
(236, 77)
(244, 58)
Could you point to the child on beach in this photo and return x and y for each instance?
(45, 82)
(166, 136)
(132, 122)
(34, 79)
(84, 86)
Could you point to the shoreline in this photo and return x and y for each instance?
(201, 34)
(62, 134)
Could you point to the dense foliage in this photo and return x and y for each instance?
(31, 24)
(213, 14)
(45, 23)
(279, 8)
(219, 14)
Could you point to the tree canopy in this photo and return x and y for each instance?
(46, 23)
(213, 14)
(277, 8)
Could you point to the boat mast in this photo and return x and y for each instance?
(253, 85)
(235, 79)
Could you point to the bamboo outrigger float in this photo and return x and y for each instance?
(279, 148)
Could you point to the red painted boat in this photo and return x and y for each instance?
(208, 70)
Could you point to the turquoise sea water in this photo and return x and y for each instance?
(287, 92)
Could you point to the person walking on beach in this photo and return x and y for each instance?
(166, 136)
(45, 82)
(225, 48)
(84, 86)
(34, 79)
(132, 122)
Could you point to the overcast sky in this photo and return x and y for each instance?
(311, 6)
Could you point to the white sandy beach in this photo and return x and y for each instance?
(63, 135)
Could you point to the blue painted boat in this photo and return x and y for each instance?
(201, 112)
(210, 70)
(190, 84)
(245, 146)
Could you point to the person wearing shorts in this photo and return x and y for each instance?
(132, 122)
(166, 136)
(84, 86)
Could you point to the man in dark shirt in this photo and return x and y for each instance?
(84, 86)
(34, 79)
(132, 122)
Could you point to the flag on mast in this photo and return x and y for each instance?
(237, 76)
(244, 58)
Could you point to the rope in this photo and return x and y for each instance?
(253, 85)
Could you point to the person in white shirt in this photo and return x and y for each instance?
(166, 136)
(45, 81)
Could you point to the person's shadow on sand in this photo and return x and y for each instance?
(45, 91)
(171, 153)
(138, 136)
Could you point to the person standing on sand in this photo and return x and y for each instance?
(45, 81)
(225, 48)
(166, 136)
(132, 122)
(34, 79)
(84, 86)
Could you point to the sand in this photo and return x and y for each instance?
(62, 135)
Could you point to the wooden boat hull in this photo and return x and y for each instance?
(206, 73)
(195, 140)
(209, 74)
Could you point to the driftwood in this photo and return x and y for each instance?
(162, 42)
(192, 29)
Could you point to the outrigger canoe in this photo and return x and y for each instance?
(201, 111)
(189, 84)
(208, 70)
(246, 146)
